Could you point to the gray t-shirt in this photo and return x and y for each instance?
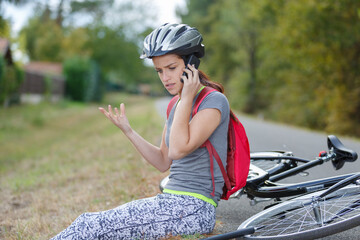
(192, 173)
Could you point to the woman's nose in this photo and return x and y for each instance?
(165, 76)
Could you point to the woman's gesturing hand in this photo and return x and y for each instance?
(118, 118)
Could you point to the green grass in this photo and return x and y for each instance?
(58, 161)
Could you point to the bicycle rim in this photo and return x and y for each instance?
(302, 218)
(265, 164)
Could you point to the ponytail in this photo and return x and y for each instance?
(205, 80)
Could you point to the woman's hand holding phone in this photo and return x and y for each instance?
(193, 61)
(191, 82)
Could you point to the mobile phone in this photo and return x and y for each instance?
(192, 60)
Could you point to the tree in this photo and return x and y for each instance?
(114, 53)
(51, 36)
(320, 44)
(295, 61)
(4, 28)
(11, 77)
(232, 32)
(4, 25)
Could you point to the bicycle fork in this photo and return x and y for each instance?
(315, 203)
(317, 211)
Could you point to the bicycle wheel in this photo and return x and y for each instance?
(307, 218)
(260, 165)
(265, 164)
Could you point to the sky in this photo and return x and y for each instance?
(20, 14)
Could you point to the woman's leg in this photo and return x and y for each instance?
(150, 218)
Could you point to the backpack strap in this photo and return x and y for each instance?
(171, 104)
(206, 91)
(210, 148)
(212, 152)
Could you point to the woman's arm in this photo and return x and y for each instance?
(156, 156)
(186, 137)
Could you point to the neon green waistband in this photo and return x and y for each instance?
(197, 195)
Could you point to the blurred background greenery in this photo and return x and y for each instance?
(286, 60)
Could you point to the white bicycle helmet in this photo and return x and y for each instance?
(180, 39)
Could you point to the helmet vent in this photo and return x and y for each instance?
(181, 30)
(165, 35)
(157, 35)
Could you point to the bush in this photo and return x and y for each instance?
(11, 78)
(83, 79)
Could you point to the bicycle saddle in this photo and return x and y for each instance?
(342, 154)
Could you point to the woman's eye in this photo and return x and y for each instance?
(172, 68)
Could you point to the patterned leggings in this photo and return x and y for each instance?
(149, 218)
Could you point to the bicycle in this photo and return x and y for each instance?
(312, 209)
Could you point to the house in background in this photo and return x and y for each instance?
(43, 80)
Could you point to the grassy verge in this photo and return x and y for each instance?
(58, 161)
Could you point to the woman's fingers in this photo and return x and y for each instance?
(118, 117)
(188, 72)
(110, 110)
(117, 112)
(122, 110)
(104, 112)
(192, 74)
(114, 114)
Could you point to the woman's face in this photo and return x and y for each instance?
(170, 68)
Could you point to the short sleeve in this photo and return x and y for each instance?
(218, 101)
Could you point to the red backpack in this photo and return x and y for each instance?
(238, 153)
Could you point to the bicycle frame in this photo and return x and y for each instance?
(316, 194)
(264, 185)
(276, 190)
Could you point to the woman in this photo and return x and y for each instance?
(187, 205)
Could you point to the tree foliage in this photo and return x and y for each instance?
(294, 61)
(11, 77)
(53, 35)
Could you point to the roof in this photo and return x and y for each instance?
(44, 68)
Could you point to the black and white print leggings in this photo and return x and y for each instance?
(149, 218)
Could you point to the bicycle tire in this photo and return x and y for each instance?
(262, 164)
(265, 164)
(295, 218)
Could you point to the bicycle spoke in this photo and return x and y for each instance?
(300, 216)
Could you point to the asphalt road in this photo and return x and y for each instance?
(264, 135)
